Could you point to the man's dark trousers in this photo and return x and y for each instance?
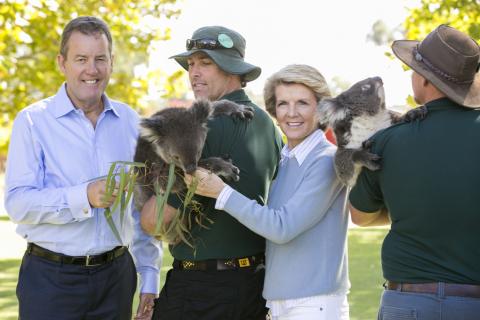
(212, 295)
(49, 290)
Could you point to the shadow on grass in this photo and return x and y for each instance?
(8, 278)
(365, 271)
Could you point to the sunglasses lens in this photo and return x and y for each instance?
(210, 44)
(202, 44)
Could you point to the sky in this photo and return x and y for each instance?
(329, 35)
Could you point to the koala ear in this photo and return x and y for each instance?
(151, 128)
(201, 109)
(325, 104)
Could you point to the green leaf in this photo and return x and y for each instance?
(131, 163)
(110, 182)
(108, 216)
(120, 192)
(163, 199)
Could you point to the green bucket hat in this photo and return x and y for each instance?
(225, 47)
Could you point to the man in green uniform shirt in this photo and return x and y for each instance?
(222, 276)
(428, 186)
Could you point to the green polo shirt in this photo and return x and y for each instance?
(254, 147)
(430, 184)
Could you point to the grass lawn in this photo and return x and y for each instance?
(364, 264)
(365, 271)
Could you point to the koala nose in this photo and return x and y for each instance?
(190, 169)
(378, 79)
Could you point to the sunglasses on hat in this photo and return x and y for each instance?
(209, 44)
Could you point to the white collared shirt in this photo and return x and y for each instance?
(301, 151)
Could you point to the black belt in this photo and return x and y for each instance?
(450, 289)
(220, 264)
(88, 261)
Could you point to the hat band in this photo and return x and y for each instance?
(418, 56)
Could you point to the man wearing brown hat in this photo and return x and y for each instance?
(222, 276)
(428, 187)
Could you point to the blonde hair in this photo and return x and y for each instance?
(295, 73)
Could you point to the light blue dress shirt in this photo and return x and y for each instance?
(54, 152)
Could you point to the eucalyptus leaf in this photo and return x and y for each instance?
(111, 223)
(127, 179)
(121, 187)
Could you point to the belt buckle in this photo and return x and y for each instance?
(87, 262)
(188, 265)
(244, 262)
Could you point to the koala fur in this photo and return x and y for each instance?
(177, 135)
(355, 115)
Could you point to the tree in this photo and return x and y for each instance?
(338, 85)
(381, 34)
(30, 34)
(463, 15)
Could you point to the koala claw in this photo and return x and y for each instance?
(243, 113)
(236, 170)
(372, 161)
(232, 174)
(248, 112)
(416, 113)
(364, 158)
(367, 144)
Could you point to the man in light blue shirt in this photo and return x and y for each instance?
(74, 267)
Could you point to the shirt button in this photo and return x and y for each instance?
(85, 210)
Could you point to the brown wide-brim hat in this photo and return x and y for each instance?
(228, 55)
(449, 59)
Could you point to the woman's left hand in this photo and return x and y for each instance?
(209, 184)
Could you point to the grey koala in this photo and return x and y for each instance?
(355, 115)
(177, 135)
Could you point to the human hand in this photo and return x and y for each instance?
(96, 192)
(209, 184)
(145, 306)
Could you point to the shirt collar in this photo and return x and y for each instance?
(443, 103)
(301, 151)
(63, 104)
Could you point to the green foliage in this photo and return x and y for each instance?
(463, 15)
(123, 181)
(365, 271)
(8, 299)
(381, 34)
(177, 228)
(30, 34)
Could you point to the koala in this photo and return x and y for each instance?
(177, 135)
(355, 115)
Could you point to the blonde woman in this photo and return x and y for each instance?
(304, 221)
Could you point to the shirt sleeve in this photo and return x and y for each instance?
(306, 207)
(147, 253)
(223, 197)
(366, 195)
(27, 200)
